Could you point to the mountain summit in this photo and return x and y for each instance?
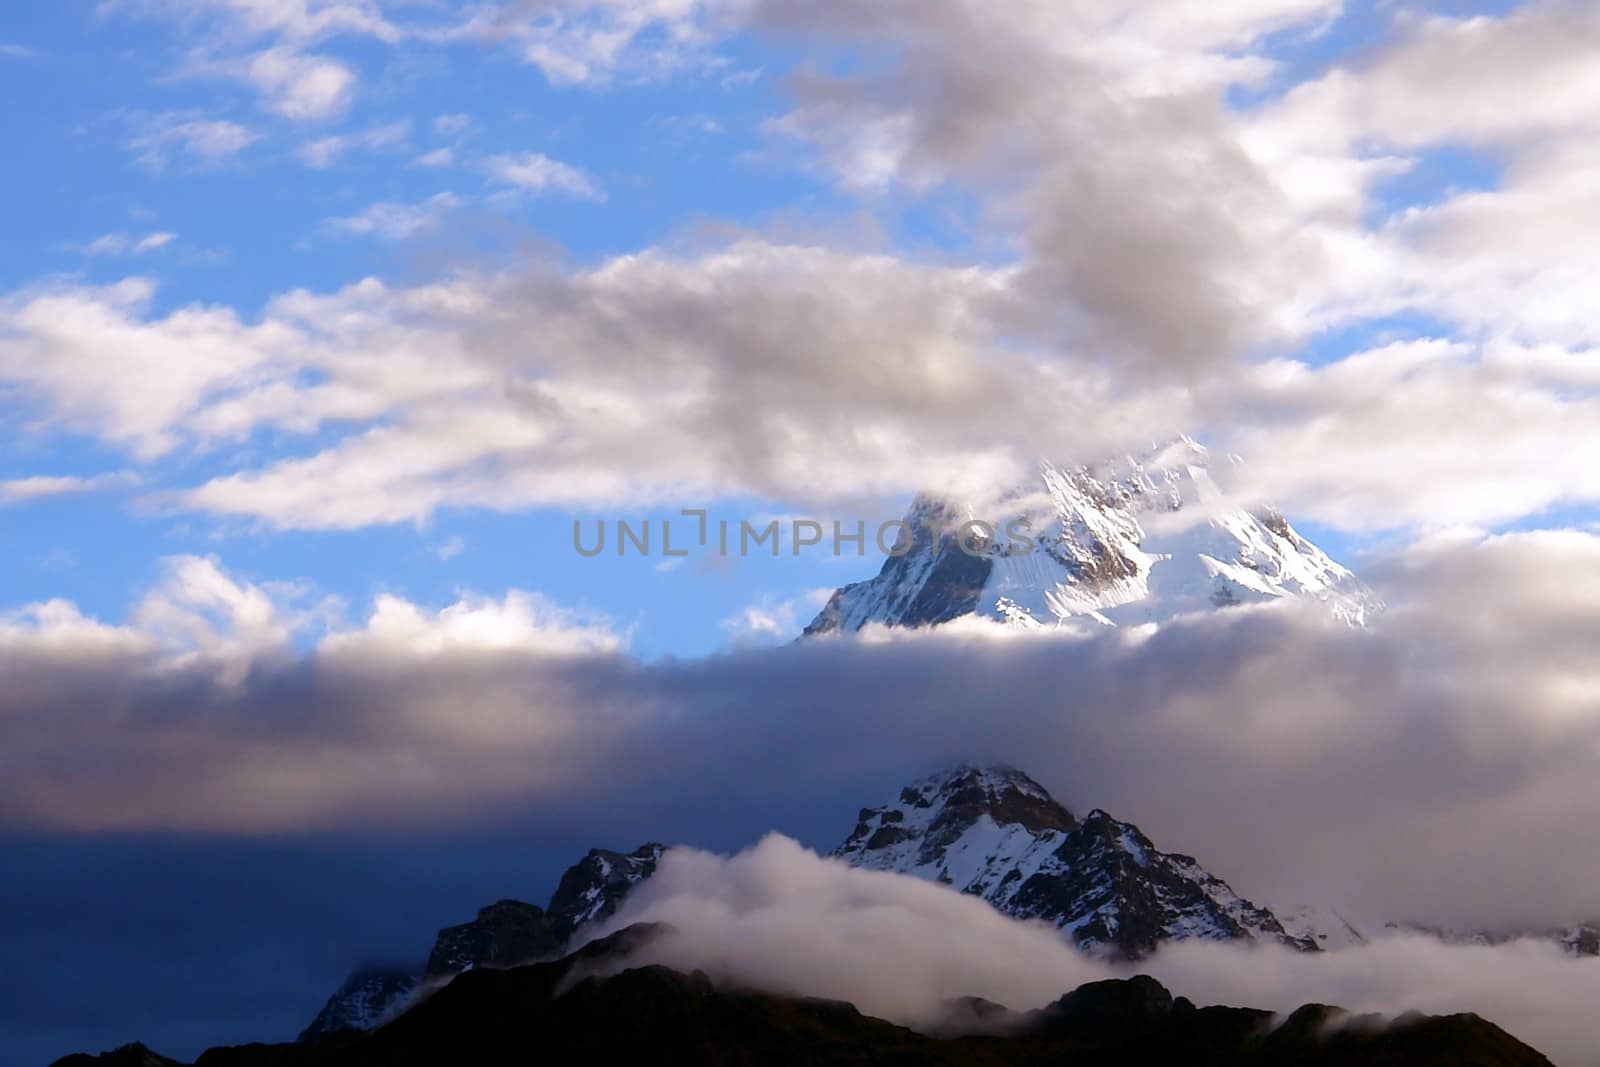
(995, 833)
(1133, 541)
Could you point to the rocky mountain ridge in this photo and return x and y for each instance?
(995, 833)
(504, 934)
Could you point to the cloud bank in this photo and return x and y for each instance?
(1437, 768)
(780, 918)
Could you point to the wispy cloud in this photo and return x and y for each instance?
(538, 174)
(593, 42)
(39, 487)
(770, 621)
(395, 221)
(300, 86)
(326, 151)
(203, 141)
(126, 244)
(439, 157)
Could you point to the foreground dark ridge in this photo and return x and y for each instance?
(561, 1011)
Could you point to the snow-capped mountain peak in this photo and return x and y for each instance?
(942, 824)
(1137, 540)
(995, 833)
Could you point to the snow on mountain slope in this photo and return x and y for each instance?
(1138, 540)
(995, 833)
(1331, 930)
(592, 888)
(1321, 925)
(1580, 940)
(367, 999)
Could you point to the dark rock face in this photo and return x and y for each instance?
(1116, 1008)
(561, 1012)
(504, 934)
(1582, 940)
(932, 581)
(1112, 886)
(592, 888)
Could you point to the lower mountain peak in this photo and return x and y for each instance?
(367, 999)
(592, 888)
(504, 934)
(948, 825)
(993, 832)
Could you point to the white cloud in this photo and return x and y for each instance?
(1419, 435)
(397, 222)
(1437, 769)
(591, 42)
(791, 371)
(520, 622)
(537, 174)
(264, 44)
(57, 628)
(201, 616)
(326, 151)
(38, 487)
(660, 378)
(164, 374)
(771, 621)
(451, 125)
(203, 141)
(1520, 90)
(16, 51)
(439, 157)
(200, 612)
(299, 20)
(1098, 147)
(1150, 256)
(125, 244)
(300, 86)
(778, 917)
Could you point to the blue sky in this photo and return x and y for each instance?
(674, 146)
(672, 155)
